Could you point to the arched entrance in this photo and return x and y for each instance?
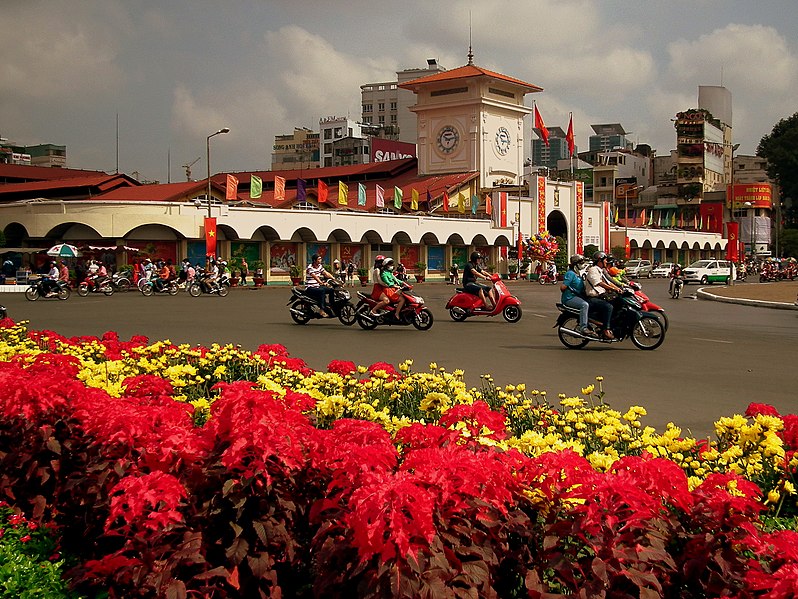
(556, 224)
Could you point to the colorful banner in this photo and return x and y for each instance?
(580, 215)
(380, 197)
(414, 199)
(256, 187)
(361, 194)
(436, 261)
(210, 237)
(460, 202)
(445, 201)
(408, 255)
(397, 198)
(541, 204)
(279, 189)
(474, 204)
(301, 190)
(733, 236)
(605, 209)
(758, 194)
(352, 253)
(343, 193)
(322, 192)
(542, 131)
(502, 208)
(231, 193)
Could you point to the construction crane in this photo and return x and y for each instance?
(188, 168)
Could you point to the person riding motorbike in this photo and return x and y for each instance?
(615, 271)
(378, 291)
(163, 276)
(471, 272)
(315, 278)
(50, 281)
(573, 291)
(596, 288)
(676, 273)
(391, 287)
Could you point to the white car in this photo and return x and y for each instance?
(663, 270)
(637, 269)
(707, 272)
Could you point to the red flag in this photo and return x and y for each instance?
(570, 136)
(733, 234)
(210, 236)
(232, 188)
(541, 126)
(322, 192)
(279, 189)
(445, 201)
(488, 206)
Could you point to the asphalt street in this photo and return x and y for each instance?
(716, 359)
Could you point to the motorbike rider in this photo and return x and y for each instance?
(573, 291)
(615, 271)
(391, 289)
(596, 287)
(471, 273)
(63, 272)
(315, 283)
(378, 291)
(163, 276)
(676, 273)
(50, 281)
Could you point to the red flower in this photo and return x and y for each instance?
(760, 408)
(476, 416)
(341, 367)
(24, 538)
(149, 501)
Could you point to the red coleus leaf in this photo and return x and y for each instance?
(476, 416)
(148, 501)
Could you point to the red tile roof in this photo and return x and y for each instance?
(85, 185)
(167, 192)
(464, 72)
(20, 173)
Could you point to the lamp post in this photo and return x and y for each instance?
(208, 160)
(750, 206)
(731, 219)
(626, 219)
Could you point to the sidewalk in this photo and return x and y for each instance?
(780, 295)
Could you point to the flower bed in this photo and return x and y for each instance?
(174, 471)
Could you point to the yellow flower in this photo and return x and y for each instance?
(588, 390)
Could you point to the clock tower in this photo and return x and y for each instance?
(471, 119)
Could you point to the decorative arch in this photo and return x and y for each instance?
(339, 236)
(401, 238)
(268, 233)
(153, 233)
(556, 224)
(647, 245)
(502, 240)
(303, 234)
(430, 239)
(371, 237)
(227, 231)
(479, 240)
(72, 231)
(455, 239)
(15, 234)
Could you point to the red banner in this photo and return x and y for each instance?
(210, 236)
(231, 192)
(541, 204)
(605, 219)
(627, 247)
(733, 236)
(580, 217)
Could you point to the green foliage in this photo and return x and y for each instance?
(590, 249)
(362, 272)
(30, 566)
(295, 272)
(780, 149)
(618, 252)
(561, 259)
(788, 242)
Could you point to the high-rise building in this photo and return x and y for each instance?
(543, 155)
(607, 137)
(299, 150)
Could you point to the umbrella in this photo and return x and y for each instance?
(64, 250)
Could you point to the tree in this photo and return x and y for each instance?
(789, 242)
(780, 149)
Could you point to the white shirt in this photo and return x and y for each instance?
(311, 270)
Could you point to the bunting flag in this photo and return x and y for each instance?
(380, 197)
(397, 197)
(474, 203)
(414, 199)
(616, 216)
(643, 217)
(445, 201)
(343, 193)
(460, 202)
(279, 189)
(488, 205)
(673, 219)
(232, 188)
(695, 221)
(256, 187)
(651, 218)
(701, 223)
(569, 137)
(210, 237)
(361, 194)
(681, 220)
(541, 126)
(301, 190)
(322, 192)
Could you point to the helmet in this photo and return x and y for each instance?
(336, 261)
(599, 256)
(379, 259)
(387, 262)
(475, 256)
(610, 261)
(576, 259)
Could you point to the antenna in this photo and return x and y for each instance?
(188, 168)
(470, 52)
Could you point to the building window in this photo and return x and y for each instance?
(328, 134)
(393, 119)
(328, 148)
(368, 107)
(381, 119)
(393, 105)
(380, 106)
(338, 132)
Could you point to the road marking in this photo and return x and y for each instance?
(539, 315)
(711, 340)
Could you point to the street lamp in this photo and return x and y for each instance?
(737, 240)
(208, 160)
(750, 206)
(626, 219)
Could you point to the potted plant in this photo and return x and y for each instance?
(296, 275)
(257, 267)
(363, 275)
(512, 269)
(421, 267)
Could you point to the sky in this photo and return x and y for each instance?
(175, 71)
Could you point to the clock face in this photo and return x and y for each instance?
(503, 141)
(448, 138)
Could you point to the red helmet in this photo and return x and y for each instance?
(379, 258)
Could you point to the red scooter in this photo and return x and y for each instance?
(546, 277)
(648, 306)
(413, 312)
(462, 305)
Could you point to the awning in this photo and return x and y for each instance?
(665, 207)
(22, 250)
(112, 248)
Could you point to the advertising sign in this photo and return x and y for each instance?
(758, 194)
(388, 149)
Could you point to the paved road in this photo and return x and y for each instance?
(715, 360)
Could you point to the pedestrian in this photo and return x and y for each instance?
(244, 271)
(350, 273)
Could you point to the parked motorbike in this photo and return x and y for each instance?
(95, 285)
(304, 307)
(545, 278)
(629, 320)
(3, 312)
(36, 290)
(150, 287)
(648, 305)
(463, 304)
(413, 312)
(676, 287)
(201, 285)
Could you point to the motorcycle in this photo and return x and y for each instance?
(629, 320)
(676, 287)
(648, 305)
(201, 285)
(413, 312)
(36, 290)
(121, 280)
(95, 285)
(3, 312)
(462, 304)
(546, 277)
(304, 307)
(150, 287)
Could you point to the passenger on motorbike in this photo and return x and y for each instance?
(63, 272)
(471, 272)
(315, 278)
(378, 291)
(676, 273)
(596, 287)
(615, 271)
(573, 291)
(391, 289)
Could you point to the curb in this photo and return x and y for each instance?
(706, 295)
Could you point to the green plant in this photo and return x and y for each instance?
(362, 272)
(421, 266)
(512, 267)
(294, 271)
(257, 265)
